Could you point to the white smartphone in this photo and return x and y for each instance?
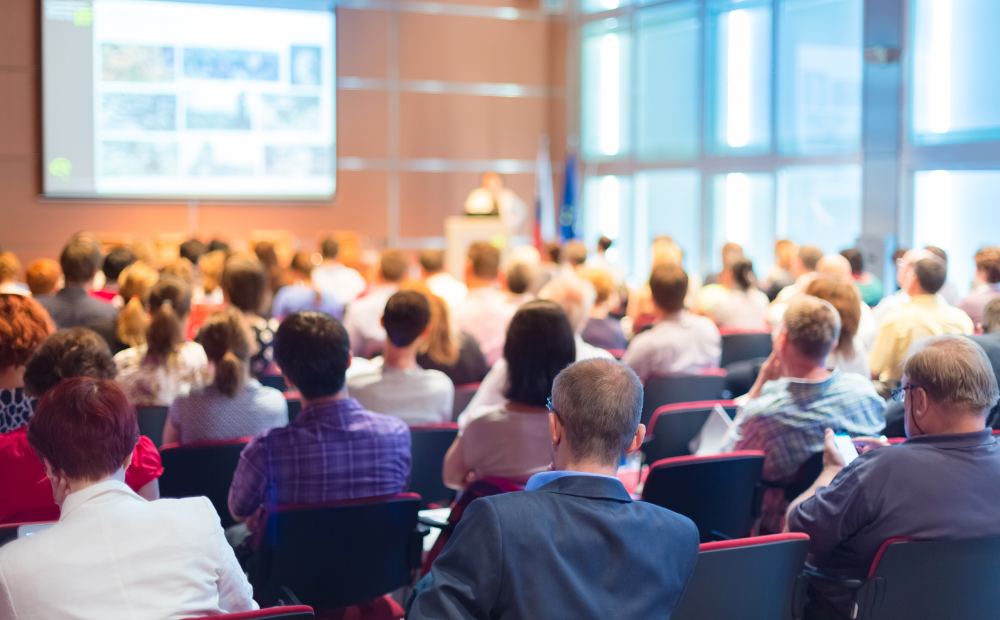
(30, 529)
(846, 447)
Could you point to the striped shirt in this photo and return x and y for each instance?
(332, 451)
(787, 421)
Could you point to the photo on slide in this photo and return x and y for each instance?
(138, 112)
(138, 159)
(136, 63)
(307, 62)
(214, 64)
(214, 109)
(221, 159)
(289, 113)
(298, 161)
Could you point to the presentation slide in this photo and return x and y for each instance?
(189, 99)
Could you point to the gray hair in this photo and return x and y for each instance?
(574, 295)
(954, 371)
(991, 316)
(599, 402)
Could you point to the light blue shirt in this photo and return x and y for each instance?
(543, 478)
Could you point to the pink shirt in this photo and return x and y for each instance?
(485, 314)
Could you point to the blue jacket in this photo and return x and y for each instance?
(578, 548)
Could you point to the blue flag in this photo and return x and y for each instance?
(567, 213)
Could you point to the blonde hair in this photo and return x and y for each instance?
(179, 268)
(603, 283)
(42, 276)
(441, 344)
(226, 339)
(784, 251)
(846, 300)
(9, 266)
(211, 266)
(134, 284)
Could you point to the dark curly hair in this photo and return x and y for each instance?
(74, 352)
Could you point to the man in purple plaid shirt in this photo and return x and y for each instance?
(335, 449)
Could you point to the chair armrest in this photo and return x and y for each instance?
(843, 582)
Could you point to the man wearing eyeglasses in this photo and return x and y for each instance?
(942, 482)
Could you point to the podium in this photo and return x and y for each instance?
(461, 231)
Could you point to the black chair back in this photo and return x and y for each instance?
(674, 426)
(929, 580)
(739, 347)
(428, 446)
(202, 469)
(749, 578)
(336, 555)
(805, 476)
(463, 396)
(672, 389)
(275, 381)
(721, 494)
(740, 376)
(151, 421)
(294, 401)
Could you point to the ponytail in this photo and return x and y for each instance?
(133, 321)
(165, 333)
(230, 374)
(226, 338)
(743, 274)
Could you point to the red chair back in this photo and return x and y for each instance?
(291, 612)
(335, 555)
(745, 345)
(428, 445)
(151, 421)
(721, 493)
(932, 579)
(204, 468)
(658, 391)
(672, 427)
(617, 353)
(747, 578)
(463, 396)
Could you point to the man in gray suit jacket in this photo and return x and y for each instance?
(574, 544)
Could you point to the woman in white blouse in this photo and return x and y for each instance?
(165, 367)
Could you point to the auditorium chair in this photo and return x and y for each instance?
(463, 396)
(275, 381)
(741, 345)
(429, 444)
(722, 494)
(292, 612)
(337, 555)
(8, 531)
(710, 384)
(747, 578)
(294, 401)
(151, 421)
(202, 469)
(672, 427)
(928, 580)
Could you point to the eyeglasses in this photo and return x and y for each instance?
(899, 394)
(548, 405)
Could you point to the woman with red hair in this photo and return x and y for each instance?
(112, 550)
(24, 324)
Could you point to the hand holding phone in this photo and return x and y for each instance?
(846, 447)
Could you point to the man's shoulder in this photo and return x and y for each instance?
(850, 384)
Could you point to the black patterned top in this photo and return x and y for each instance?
(15, 409)
(263, 331)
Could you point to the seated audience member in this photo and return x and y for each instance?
(941, 483)
(743, 306)
(206, 293)
(401, 388)
(10, 268)
(780, 275)
(575, 254)
(602, 330)
(192, 250)
(455, 354)
(42, 277)
(795, 397)
(948, 290)
(165, 366)
(485, 312)
(244, 285)
(903, 260)
(678, 342)
(108, 552)
(986, 285)
(989, 340)
(924, 315)
(73, 306)
(363, 318)
(517, 278)
(803, 269)
(303, 294)
(114, 264)
(24, 325)
(25, 492)
(641, 308)
(268, 257)
(129, 329)
(180, 268)
(730, 253)
(439, 281)
(333, 276)
(548, 552)
(511, 440)
(600, 261)
(849, 354)
(869, 285)
(334, 449)
(235, 404)
(218, 245)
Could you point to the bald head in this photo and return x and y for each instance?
(574, 295)
(955, 373)
(599, 403)
(835, 265)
